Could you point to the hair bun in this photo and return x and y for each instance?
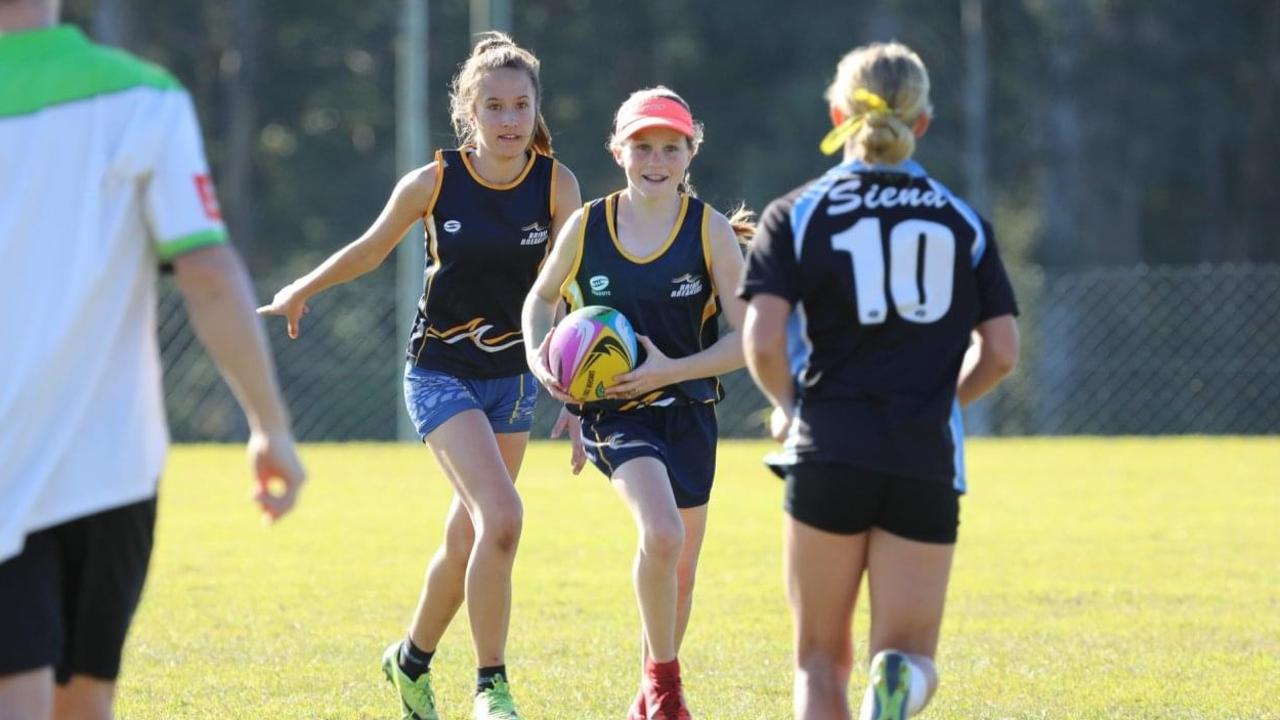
(491, 40)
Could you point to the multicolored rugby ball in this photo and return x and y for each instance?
(588, 348)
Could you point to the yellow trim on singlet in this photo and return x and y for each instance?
(433, 250)
(433, 247)
(706, 237)
(709, 310)
(555, 173)
(435, 192)
(546, 248)
(466, 162)
(431, 274)
(713, 302)
(609, 204)
(576, 300)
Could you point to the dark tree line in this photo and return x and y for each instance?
(1093, 132)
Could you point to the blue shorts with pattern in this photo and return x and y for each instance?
(433, 397)
(681, 437)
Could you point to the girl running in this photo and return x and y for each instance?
(491, 208)
(888, 293)
(662, 258)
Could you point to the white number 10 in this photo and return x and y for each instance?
(918, 297)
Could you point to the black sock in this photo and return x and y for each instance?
(485, 676)
(413, 660)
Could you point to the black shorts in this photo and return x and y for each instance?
(847, 500)
(67, 600)
(681, 437)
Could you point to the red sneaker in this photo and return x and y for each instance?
(664, 696)
(637, 710)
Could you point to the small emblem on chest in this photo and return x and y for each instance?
(599, 285)
(688, 285)
(533, 234)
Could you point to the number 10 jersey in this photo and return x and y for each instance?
(888, 273)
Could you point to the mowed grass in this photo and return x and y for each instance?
(1135, 578)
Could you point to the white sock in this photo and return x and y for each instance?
(918, 690)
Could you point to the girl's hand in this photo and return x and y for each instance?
(655, 372)
(290, 303)
(573, 423)
(779, 424)
(540, 365)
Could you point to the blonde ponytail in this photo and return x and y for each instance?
(882, 89)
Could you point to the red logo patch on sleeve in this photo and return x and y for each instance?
(204, 188)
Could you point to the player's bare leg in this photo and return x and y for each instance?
(84, 698)
(469, 454)
(907, 581)
(644, 486)
(27, 695)
(822, 571)
(443, 591)
(695, 530)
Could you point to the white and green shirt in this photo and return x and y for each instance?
(102, 179)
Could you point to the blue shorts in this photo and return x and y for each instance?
(681, 437)
(433, 397)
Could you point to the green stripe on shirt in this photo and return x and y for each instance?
(58, 65)
(171, 249)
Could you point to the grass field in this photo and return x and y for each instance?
(1094, 579)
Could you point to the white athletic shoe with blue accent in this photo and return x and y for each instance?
(890, 685)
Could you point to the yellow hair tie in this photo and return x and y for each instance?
(835, 139)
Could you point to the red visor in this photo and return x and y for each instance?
(653, 111)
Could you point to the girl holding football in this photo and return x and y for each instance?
(665, 260)
(491, 209)
(890, 292)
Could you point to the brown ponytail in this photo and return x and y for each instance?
(541, 142)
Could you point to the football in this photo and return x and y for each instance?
(588, 348)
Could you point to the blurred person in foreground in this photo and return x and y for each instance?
(878, 306)
(102, 180)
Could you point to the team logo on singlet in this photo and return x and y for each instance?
(688, 285)
(599, 285)
(533, 234)
(452, 226)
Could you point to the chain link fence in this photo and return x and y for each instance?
(1148, 351)
(1132, 350)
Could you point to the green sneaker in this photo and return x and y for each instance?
(496, 703)
(417, 701)
(891, 682)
